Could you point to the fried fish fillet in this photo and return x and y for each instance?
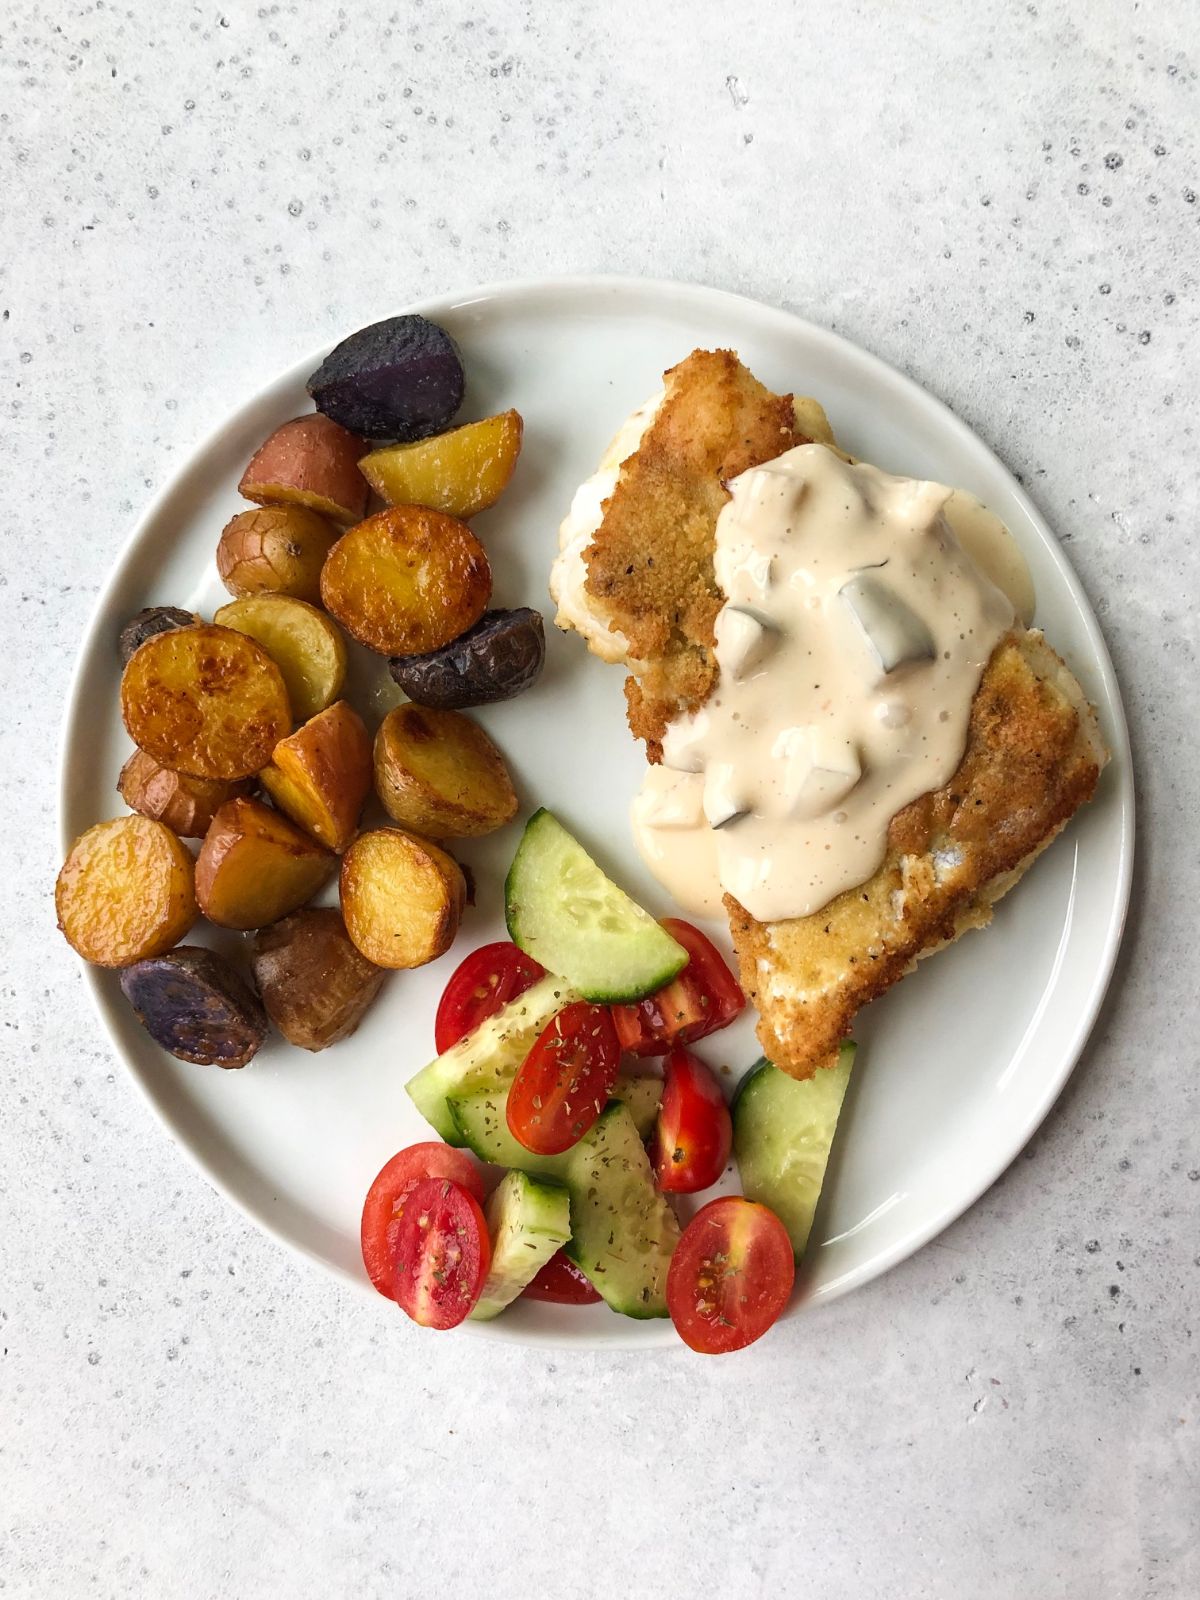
(1033, 753)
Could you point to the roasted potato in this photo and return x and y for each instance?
(306, 647)
(255, 866)
(197, 1006)
(186, 805)
(309, 462)
(438, 773)
(321, 774)
(501, 656)
(399, 379)
(459, 472)
(126, 891)
(154, 619)
(402, 898)
(275, 550)
(205, 700)
(407, 580)
(315, 984)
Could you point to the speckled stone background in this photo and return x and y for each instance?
(999, 198)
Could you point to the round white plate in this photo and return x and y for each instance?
(958, 1065)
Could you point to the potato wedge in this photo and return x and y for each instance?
(407, 580)
(125, 892)
(315, 984)
(398, 379)
(186, 805)
(275, 550)
(205, 700)
(310, 462)
(321, 774)
(306, 647)
(460, 472)
(402, 898)
(255, 866)
(438, 773)
(198, 1006)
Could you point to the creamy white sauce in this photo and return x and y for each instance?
(993, 549)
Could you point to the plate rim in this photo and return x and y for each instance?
(659, 1334)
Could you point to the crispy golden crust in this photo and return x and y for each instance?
(650, 566)
(1032, 759)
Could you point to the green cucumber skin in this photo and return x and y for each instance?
(528, 1220)
(480, 1125)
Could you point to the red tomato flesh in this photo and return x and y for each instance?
(704, 997)
(479, 987)
(730, 1276)
(386, 1196)
(441, 1253)
(693, 1134)
(562, 1085)
(562, 1282)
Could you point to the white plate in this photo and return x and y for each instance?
(958, 1065)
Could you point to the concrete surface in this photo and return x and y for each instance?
(1000, 199)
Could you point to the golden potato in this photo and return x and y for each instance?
(125, 891)
(407, 580)
(187, 805)
(438, 773)
(205, 700)
(306, 647)
(275, 550)
(321, 774)
(315, 984)
(255, 866)
(310, 462)
(459, 472)
(402, 898)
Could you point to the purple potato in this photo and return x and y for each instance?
(498, 658)
(196, 1005)
(154, 619)
(399, 379)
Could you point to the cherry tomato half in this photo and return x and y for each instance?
(562, 1282)
(693, 1134)
(479, 987)
(704, 997)
(562, 1085)
(730, 1276)
(441, 1253)
(392, 1186)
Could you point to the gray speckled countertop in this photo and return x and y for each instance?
(998, 198)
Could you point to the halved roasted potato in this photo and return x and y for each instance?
(398, 379)
(438, 773)
(459, 472)
(275, 550)
(314, 982)
(501, 656)
(306, 647)
(402, 898)
(205, 700)
(321, 774)
(187, 805)
(309, 462)
(125, 891)
(407, 580)
(255, 866)
(197, 1005)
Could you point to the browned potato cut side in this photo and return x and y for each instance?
(321, 774)
(460, 472)
(310, 462)
(205, 700)
(255, 866)
(402, 898)
(149, 621)
(125, 891)
(314, 982)
(438, 773)
(407, 580)
(275, 550)
(187, 805)
(306, 647)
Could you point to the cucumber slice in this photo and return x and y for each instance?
(480, 1124)
(563, 911)
(623, 1232)
(489, 1057)
(782, 1133)
(528, 1220)
(643, 1096)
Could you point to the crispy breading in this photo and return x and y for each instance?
(650, 565)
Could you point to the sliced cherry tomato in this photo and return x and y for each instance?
(693, 1134)
(441, 1253)
(561, 1281)
(562, 1085)
(730, 1276)
(394, 1184)
(704, 997)
(479, 987)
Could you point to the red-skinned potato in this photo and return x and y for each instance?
(186, 805)
(315, 984)
(321, 774)
(310, 462)
(275, 550)
(255, 866)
